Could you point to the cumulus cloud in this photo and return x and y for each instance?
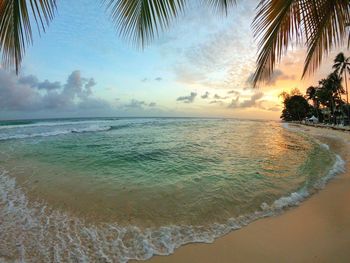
(27, 93)
(47, 85)
(188, 99)
(30, 80)
(252, 102)
(33, 82)
(205, 95)
(158, 79)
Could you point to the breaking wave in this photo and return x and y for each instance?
(36, 233)
(56, 132)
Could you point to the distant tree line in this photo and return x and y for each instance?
(324, 101)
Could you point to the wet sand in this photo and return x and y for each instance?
(316, 231)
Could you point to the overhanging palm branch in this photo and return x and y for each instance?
(326, 21)
(320, 23)
(16, 28)
(276, 24)
(142, 20)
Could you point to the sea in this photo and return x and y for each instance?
(116, 189)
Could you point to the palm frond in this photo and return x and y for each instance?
(16, 29)
(326, 21)
(140, 21)
(220, 5)
(276, 24)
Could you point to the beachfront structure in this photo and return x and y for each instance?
(312, 120)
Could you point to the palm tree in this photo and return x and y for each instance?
(341, 66)
(311, 94)
(329, 93)
(322, 24)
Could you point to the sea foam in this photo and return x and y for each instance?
(33, 232)
(56, 132)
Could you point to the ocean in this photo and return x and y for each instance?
(115, 189)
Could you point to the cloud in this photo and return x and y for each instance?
(33, 82)
(155, 79)
(188, 99)
(30, 80)
(152, 104)
(220, 102)
(279, 75)
(205, 95)
(28, 94)
(218, 97)
(252, 102)
(47, 85)
(138, 104)
(221, 57)
(275, 76)
(234, 92)
(234, 103)
(275, 108)
(14, 95)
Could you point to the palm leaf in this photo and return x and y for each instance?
(327, 21)
(276, 24)
(16, 29)
(322, 23)
(220, 5)
(140, 21)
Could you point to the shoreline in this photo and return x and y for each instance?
(323, 126)
(318, 230)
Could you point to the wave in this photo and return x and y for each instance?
(15, 123)
(123, 126)
(36, 233)
(62, 131)
(11, 125)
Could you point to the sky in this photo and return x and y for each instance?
(199, 67)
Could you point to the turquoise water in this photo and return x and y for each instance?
(135, 187)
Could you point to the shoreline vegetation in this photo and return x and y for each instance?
(317, 230)
(326, 103)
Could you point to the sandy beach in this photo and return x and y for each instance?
(318, 230)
